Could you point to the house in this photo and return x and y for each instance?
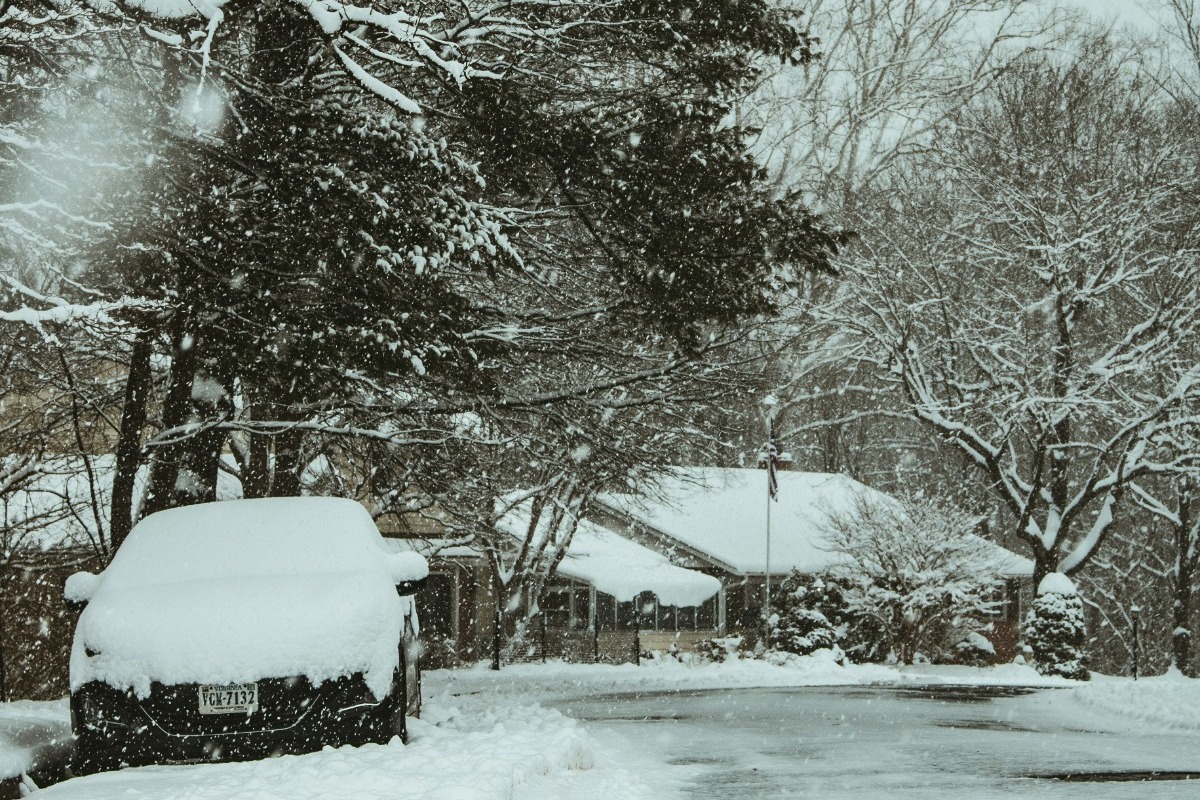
(665, 569)
(715, 520)
(608, 589)
(644, 572)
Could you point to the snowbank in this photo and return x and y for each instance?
(32, 733)
(457, 753)
(1164, 702)
(236, 591)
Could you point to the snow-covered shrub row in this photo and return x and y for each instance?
(828, 612)
(916, 568)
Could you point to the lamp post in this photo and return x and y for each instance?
(1136, 613)
(769, 403)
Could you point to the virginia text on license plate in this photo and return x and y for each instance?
(236, 698)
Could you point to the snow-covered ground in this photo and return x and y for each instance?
(492, 735)
(457, 753)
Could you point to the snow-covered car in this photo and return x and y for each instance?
(243, 629)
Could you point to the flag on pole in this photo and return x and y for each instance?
(772, 477)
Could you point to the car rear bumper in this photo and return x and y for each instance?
(138, 739)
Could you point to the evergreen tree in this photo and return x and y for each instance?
(800, 626)
(1054, 629)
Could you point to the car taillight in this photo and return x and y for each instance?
(106, 706)
(351, 693)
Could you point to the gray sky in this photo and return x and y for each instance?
(1131, 12)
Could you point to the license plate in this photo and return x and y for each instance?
(236, 698)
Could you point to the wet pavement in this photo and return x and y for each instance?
(887, 742)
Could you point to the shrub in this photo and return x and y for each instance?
(722, 648)
(974, 650)
(914, 566)
(1054, 628)
(800, 626)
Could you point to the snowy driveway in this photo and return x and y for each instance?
(893, 743)
(668, 731)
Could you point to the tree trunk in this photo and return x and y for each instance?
(176, 409)
(285, 481)
(1181, 636)
(200, 455)
(256, 472)
(1044, 563)
(3, 665)
(1185, 574)
(129, 439)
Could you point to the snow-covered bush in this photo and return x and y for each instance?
(916, 569)
(801, 631)
(723, 648)
(1054, 628)
(975, 650)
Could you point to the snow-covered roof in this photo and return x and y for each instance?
(721, 514)
(623, 568)
(620, 567)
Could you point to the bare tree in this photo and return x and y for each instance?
(843, 129)
(890, 73)
(1040, 316)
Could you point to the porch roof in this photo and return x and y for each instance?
(620, 567)
(624, 569)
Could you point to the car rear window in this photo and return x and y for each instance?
(247, 538)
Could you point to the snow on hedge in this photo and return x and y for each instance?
(241, 590)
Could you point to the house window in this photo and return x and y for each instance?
(639, 612)
(579, 607)
(668, 618)
(606, 611)
(556, 605)
(647, 608)
(706, 615)
(653, 616)
(687, 618)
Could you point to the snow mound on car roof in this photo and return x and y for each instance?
(242, 590)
